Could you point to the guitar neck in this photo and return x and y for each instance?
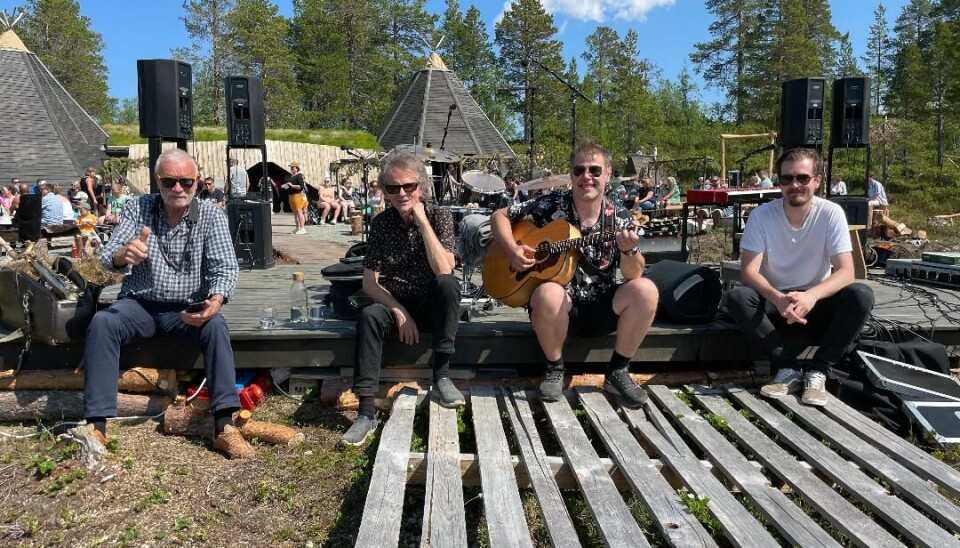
(578, 243)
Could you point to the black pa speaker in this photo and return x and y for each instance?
(165, 93)
(733, 178)
(29, 213)
(245, 122)
(251, 232)
(801, 112)
(850, 121)
(689, 293)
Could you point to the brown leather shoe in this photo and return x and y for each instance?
(231, 443)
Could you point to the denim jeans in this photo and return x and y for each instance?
(131, 318)
(439, 310)
(838, 320)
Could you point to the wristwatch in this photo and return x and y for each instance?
(630, 252)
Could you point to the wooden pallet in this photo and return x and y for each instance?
(770, 473)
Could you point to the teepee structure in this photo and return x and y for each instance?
(420, 115)
(44, 133)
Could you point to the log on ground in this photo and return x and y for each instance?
(24, 405)
(140, 380)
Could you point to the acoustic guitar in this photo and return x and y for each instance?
(557, 248)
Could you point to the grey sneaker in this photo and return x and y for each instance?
(814, 389)
(361, 430)
(551, 387)
(787, 381)
(622, 386)
(447, 394)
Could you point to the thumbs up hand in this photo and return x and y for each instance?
(134, 252)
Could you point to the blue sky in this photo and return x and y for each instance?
(668, 29)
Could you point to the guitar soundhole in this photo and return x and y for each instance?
(542, 252)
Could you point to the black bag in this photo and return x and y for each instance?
(52, 320)
(346, 296)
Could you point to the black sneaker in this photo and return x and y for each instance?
(622, 386)
(551, 387)
(361, 430)
(447, 394)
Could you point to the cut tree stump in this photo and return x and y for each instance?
(27, 405)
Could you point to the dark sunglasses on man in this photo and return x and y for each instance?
(395, 189)
(170, 182)
(595, 171)
(787, 180)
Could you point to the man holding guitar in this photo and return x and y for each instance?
(408, 273)
(591, 302)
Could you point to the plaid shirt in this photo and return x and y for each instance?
(171, 273)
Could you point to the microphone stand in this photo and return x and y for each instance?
(574, 94)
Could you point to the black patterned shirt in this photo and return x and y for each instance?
(396, 250)
(587, 283)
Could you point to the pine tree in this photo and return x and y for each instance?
(846, 60)
(257, 44)
(909, 84)
(205, 23)
(878, 58)
(62, 39)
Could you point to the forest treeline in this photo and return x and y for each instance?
(340, 64)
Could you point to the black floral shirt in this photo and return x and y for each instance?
(600, 275)
(396, 250)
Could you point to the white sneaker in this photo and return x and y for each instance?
(301, 231)
(814, 390)
(787, 381)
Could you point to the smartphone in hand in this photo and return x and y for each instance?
(193, 308)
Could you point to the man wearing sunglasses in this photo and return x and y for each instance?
(408, 273)
(179, 268)
(797, 270)
(593, 303)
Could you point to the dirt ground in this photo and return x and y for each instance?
(158, 490)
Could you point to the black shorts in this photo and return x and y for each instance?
(595, 317)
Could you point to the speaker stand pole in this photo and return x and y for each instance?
(154, 147)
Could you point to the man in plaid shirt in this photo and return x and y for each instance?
(179, 268)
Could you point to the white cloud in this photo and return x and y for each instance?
(597, 10)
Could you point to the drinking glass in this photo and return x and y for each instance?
(268, 317)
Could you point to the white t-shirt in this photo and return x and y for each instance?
(796, 258)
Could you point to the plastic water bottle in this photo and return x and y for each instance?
(298, 299)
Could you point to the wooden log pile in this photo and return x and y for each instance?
(58, 394)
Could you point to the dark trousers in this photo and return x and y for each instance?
(131, 318)
(439, 310)
(838, 319)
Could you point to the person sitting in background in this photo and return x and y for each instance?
(345, 197)
(68, 213)
(51, 212)
(838, 188)
(876, 195)
(212, 193)
(328, 202)
(7, 194)
(115, 202)
(87, 223)
(512, 193)
(670, 192)
(645, 199)
(765, 181)
(374, 200)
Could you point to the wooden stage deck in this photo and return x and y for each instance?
(779, 473)
(499, 337)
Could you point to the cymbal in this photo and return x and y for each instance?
(550, 181)
(481, 180)
(428, 153)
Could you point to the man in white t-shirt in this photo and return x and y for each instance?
(238, 180)
(797, 270)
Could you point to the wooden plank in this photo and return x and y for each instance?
(444, 523)
(674, 520)
(781, 513)
(617, 524)
(917, 460)
(539, 471)
(829, 504)
(902, 481)
(897, 513)
(383, 508)
(506, 523)
(739, 527)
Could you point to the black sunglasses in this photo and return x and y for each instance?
(803, 179)
(595, 171)
(170, 182)
(395, 189)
